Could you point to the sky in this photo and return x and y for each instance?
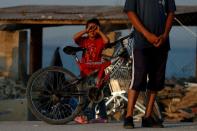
(53, 34)
(6, 3)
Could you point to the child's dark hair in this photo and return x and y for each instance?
(93, 20)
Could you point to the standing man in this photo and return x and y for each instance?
(152, 21)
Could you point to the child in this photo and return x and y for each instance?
(94, 40)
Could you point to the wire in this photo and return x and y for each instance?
(185, 27)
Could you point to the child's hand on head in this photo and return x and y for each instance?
(91, 27)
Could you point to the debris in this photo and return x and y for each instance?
(179, 102)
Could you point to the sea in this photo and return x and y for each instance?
(181, 59)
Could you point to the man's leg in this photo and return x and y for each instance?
(132, 98)
(148, 120)
(150, 103)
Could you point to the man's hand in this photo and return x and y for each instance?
(162, 39)
(152, 38)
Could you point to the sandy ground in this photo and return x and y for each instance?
(41, 126)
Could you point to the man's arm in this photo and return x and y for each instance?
(169, 22)
(152, 38)
(168, 27)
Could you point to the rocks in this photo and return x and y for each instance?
(178, 102)
(11, 89)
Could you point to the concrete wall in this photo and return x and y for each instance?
(9, 53)
(13, 67)
(13, 110)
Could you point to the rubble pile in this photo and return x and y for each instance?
(11, 89)
(179, 102)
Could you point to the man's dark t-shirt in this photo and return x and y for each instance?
(152, 14)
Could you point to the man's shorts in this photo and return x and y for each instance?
(148, 71)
